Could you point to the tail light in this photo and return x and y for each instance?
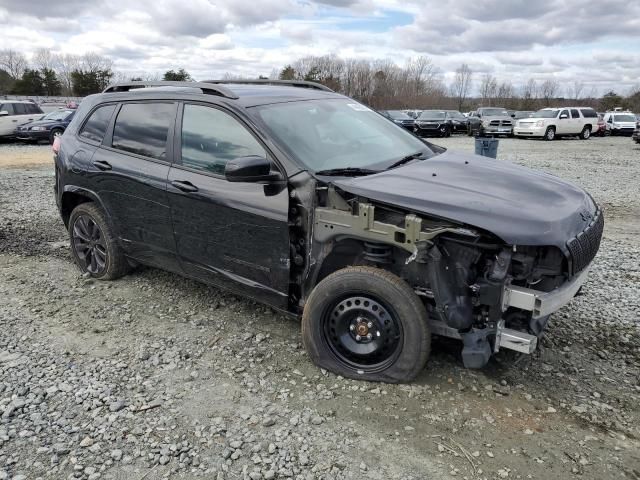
(56, 145)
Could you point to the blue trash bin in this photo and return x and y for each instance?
(487, 147)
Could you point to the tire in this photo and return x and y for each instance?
(345, 305)
(102, 258)
(550, 134)
(585, 134)
(56, 132)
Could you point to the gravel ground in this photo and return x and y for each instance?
(155, 376)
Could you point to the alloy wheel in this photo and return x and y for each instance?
(89, 244)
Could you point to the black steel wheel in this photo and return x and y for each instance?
(89, 244)
(363, 332)
(93, 245)
(368, 324)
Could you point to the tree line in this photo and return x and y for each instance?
(382, 84)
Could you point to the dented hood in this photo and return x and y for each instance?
(519, 205)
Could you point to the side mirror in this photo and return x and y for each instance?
(253, 169)
(564, 115)
(3, 113)
(610, 120)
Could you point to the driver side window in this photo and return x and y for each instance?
(211, 138)
(564, 114)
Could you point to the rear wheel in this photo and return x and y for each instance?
(93, 245)
(56, 132)
(585, 134)
(367, 324)
(550, 134)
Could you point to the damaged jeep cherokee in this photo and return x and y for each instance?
(312, 203)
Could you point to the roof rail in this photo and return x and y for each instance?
(204, 86)
(286, 83)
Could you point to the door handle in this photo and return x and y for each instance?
(184, 186)
(102, 165)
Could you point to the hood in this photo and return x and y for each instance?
(43, 123)
(487, 118)
(519, 205)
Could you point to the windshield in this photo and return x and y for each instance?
(523, 114)
(624, 118)
(327, 134)
(545, 114)
(455, 114)
(397, 114)
(494, 112)
(57, 115)
(432, 114)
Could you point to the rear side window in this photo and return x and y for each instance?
(7, 107)
(20, 108)
(142, 128)
(33, 109)
(575, 113)
(95, 128)
(589, 113)
(210, 138)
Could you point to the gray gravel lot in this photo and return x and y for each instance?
(155, 376)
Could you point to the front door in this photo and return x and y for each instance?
(564, 123)
(231, 234)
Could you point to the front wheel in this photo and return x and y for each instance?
(585, 134)
(93, 244)
(550, 134)
(368, 324)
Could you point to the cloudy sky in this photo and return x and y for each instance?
(596, 41)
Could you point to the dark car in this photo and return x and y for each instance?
(49, 127)
(400, 118)
(457, 121)
(438, 123)
(316, 205)
(636, 133)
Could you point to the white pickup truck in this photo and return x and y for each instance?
(551, 123)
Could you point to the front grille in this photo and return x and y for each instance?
(494, 123)
(506, 123)
(584, 246)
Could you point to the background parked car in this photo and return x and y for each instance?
(620, 123)
(49, 127)
(458, 121)
(490, 121)
(434, 122)
(400, 118)
(413, 113)
(17, 112)
(601, 128)
(636, 132)
(550, 123)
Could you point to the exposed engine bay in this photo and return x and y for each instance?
(475, 287)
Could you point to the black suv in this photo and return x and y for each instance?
(313, 203)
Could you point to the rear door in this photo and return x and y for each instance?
(25, 113)
(8, 122)
(231, 234)
(129, 172)
(576, 121)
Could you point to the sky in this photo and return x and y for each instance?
(595, 42)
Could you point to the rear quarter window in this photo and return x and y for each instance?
(588, 113)
(20, 108)
(98, 122)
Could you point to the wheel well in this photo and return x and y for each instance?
(353, 251)
(588, 125)
(71, 200)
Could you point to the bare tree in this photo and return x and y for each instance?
(65, 65)
(488, 89)
(548, 90)
(529, 95)
(13, 62)
(43, 59)
(574, 91)
(461, 84)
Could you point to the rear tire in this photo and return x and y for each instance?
(367, 324)
(550, 134)
(93, 245)
(585, 134)
(56, 132)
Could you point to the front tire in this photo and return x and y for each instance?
(550, 134)
(585, 134)
(367, 324)
(93, 245)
